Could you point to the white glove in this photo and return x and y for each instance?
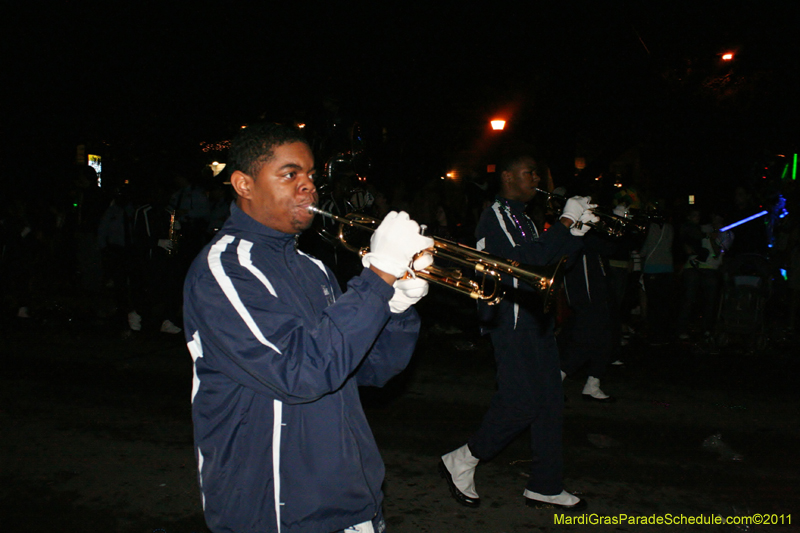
(165, 244)
(407, 292)
(621, 210)
(575, 207)
(579, 230)
(394, 244)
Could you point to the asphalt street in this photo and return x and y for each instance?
(97, 435)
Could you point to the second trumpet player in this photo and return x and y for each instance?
(529, 395)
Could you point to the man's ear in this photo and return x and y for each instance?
(241, 183)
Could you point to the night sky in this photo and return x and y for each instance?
(596, 78)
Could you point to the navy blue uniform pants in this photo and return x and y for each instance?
(529, 397)
(586, 338)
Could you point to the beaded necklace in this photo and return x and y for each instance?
(531, 233)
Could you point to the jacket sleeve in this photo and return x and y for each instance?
(392, 351)
(496, 232)
(264, 342)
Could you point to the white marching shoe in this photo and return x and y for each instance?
(564, 502)
(592, 392)
(458, 469)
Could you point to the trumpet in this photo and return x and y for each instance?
(545, 280)
(610, 223)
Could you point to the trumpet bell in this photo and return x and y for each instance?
(490, 269)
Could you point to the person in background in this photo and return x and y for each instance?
(156, 275)
(701, 276)
(657, 276)
(114, 240)
(529, 391)
(219, 208)
(585, 339)
(192, 216)
(751, 237)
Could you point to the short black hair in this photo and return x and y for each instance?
(512, 153)
(256, 144)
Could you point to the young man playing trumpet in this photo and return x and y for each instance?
(529, 394)
(281, 440)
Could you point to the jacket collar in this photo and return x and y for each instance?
(245, 222)
(516, 205)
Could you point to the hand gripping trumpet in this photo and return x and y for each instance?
(609, 223)
(545, 280)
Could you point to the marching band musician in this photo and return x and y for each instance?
(529, 393)
(587, 336)
(281, 440)
(192, 216)
(155, 276)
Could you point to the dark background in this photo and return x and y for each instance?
(144, 84)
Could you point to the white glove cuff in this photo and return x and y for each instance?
(398, 305)
(407, 292)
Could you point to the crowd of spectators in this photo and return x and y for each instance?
(113, 256)
(109, 256)
(672, 283)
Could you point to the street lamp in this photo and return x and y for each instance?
(498, 124)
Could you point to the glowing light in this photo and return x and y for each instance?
(215, 147)
(794, 168)
(691, 199)
(301, 125)
(217, 167)
(747, 219)
(96, 162)
(727, 57)
(498, 124)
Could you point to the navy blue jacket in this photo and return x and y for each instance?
(506, 231)
(585, 282)
(281, 440)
